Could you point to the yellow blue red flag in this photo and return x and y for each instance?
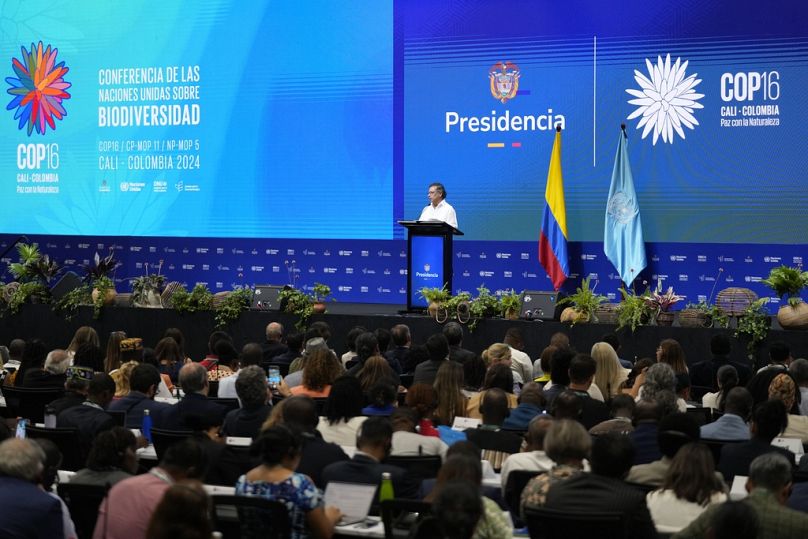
(553, 237)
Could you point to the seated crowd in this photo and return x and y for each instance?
(657, 443)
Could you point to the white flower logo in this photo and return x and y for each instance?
(667, 100)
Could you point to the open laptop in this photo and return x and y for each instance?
(352, 499)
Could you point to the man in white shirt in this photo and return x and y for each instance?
(251, 354)
(438, 209)
(521, 365)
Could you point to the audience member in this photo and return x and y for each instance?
(533, 458)
(799, 372)
(373, 445)
(251, 354)
(384, 337)
(542, 366)
(769, 419)
(659, 383)
(646, 430)
(614, 341)
(89, 418)
(211, 359)
(399, 354)
(321, 369)
(498, 376)
(143, 381)
(779, 357)
(734, 520)
(90, 356)
(226, 363)
(52, 374)
(77, 381)
(492, 522)
(609, 373)
(112, 458)
(438, 348)
(474, 372)
(381, 398)
(521, 365)
(295, 376)
(183, 512)
(350, 342)
(374, 369)
(567, 444)
(170, 358)
(732, 424)
(408, 443)
(448, 386)
(300, 415)
(179, 338)
(273, 345)
(582, 373)
(454, 336)
(768, 485)
(671, 352)
(559, 374)
(689, 487)
(568, 405)
(531, 404)
(704, 373)
(367, 345)
(497, 353)
(51, 466)
(253, 392)
(33, 357)
(83, 335)
(675, 430)
(603, 490)
(194, 382)
(422, 400)
(726, 378)
(621, 410)
(343, 412)
(457, 511)
(294, 343)
(783, 388)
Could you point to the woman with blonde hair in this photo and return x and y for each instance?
(449, 388)
(609, 374)
(497, 353)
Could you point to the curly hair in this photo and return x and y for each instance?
(322, 368)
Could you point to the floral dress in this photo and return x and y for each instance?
(297, 492)
(535, 492)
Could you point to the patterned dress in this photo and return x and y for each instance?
(297, 493)
(535, 492)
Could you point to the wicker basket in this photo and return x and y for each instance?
(694, 318)
(606, 313)
(734, 301)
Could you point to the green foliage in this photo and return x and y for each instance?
(298, 303)
(198, 299)
(141, 286)
(584, 300)
(26, 293)
(33, 265)
(786, 281)
(102, 285)
(434, 295)
(633, 311)
(71, 301)
(320, 292)
(232, 306)
(716, 316)
(510, 302)
(453, 302)
(754, 324)
(101, 267)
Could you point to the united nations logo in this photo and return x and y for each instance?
(504, 78)
(622, 208)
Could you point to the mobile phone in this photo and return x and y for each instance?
(274, 377)
(21, 425)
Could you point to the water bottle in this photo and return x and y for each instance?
(145, 429)
(386, 489)
(50, 417)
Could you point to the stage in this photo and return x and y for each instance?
(149, 324)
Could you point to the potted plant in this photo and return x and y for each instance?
(661, 304)
(98, 269)
(435, 297)
(754, 324)
(702, 315)
(298, 303)
(789, 282)
(319, 293)
(459, 305)
(32, 274)
(198, 299)
(584, 303)
(231, 307)
(510, 302)
(483, 306)
(147, 289)
(633, 311)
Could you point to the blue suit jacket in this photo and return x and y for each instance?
(181, 416)
(726, 427)
(28, 512)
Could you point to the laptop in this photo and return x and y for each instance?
(352, 499)
(265, 297)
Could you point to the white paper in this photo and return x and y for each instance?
(352, 499)
(463, 423)
(738, 490)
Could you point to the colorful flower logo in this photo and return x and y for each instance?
(38, 89)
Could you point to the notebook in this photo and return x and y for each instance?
(352, 499)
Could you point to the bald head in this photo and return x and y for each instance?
(274, 332)
(194, 378)
(57, 361)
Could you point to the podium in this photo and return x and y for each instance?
(429, 258)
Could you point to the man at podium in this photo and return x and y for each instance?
(438, 209)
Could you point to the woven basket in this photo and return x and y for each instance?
(734, 301)
(606, 313)
(694, 318)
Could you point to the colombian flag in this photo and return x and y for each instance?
(553, 238)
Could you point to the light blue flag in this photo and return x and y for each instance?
(622, 235)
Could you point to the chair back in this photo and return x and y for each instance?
(642, 487)
(119, 416)
(701, 414)
(715, 447)
(517, 481)
(213, 389)
(229, 404)
(496, 445)
(544, 523)
(697, 392)
(83, 502)
(250, 517)
(66, 440)
(399, 515)
(30, 402)
(421, 467)
(163, 439)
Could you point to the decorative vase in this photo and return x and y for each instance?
(463, 312)
(574, 316)
(511, 314)
(665, 318)
(606, 313)
(694, 318)
(318, 307)
(795, 317)
(109, 297)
